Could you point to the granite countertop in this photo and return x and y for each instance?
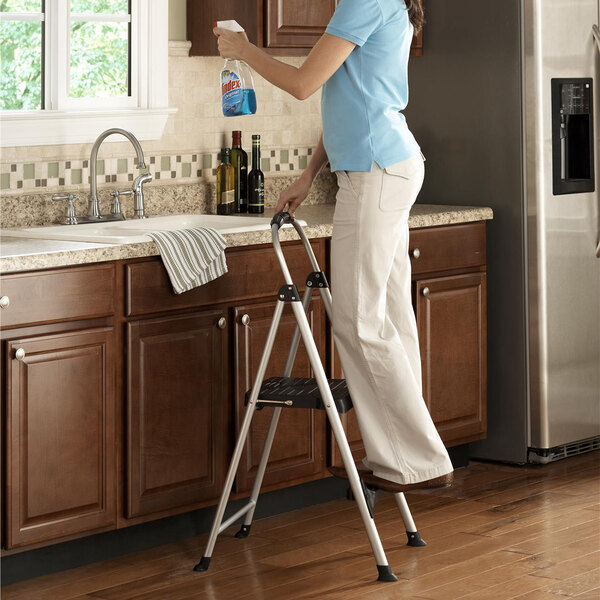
(27, 254)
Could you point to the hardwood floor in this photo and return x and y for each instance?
(500, 533)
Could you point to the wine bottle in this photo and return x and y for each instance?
(239, 160)
(225, 184)
(256, 180)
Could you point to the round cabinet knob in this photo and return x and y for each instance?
(4, 302)
(416, 253)
(222, 323)
(425, 291)
(245, 319)
(19, 353)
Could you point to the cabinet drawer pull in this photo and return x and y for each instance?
(246, 320)
(4, 302)
(222, 323)
(416, 253)
(425, 291)
(20, 354)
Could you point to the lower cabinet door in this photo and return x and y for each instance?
(298, 451)
(60, 436)
(176, 392)
(451, 317)
(349, 420)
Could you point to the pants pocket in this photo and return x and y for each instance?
(402, 182)
(344, 182)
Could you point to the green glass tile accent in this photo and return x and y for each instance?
(206, 161)
(284, 156)
(76, 176)
(265, 164)
(165, 163)
(4, 181)
(100, 167)
(29, 171)
(302, 162)
(52, 170)
(122, 165)
(186, 169)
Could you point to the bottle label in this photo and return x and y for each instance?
(258, 195)
(228, 197)
(232, 93)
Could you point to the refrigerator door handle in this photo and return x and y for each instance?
(596, 33)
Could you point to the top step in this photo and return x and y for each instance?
(301, 392)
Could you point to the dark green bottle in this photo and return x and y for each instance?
(239, 160)
(256, 180)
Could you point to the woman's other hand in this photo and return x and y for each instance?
(231, 44)
(294, 195)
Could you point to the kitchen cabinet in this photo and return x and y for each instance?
(176, 397)
(452, 334)
(60, 436)
(122, 400)
(285, 28)
(187, 373)
(298, 452)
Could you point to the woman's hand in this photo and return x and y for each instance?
(231, 44)
(294, 195)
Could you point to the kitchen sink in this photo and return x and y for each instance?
(135, 230)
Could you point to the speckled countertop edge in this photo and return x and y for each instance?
(27, 254)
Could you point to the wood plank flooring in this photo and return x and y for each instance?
(499, 533)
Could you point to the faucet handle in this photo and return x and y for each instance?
(116, 203)
(69, 218)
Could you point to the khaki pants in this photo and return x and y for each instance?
(374, 325)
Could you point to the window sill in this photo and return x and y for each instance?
(58, 127)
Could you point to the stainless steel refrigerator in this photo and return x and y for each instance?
(505, 104)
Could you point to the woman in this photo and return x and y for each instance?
(361, 63)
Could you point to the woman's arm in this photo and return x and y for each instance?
(296, 193)
(324, 60)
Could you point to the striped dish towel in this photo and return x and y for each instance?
(192, 257)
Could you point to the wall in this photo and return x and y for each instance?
(177, 20)
(188, 150)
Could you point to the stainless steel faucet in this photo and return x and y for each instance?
(93, 209)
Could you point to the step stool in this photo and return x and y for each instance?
(321, 393)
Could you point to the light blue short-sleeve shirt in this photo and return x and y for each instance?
(362, 100)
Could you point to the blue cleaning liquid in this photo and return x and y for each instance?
(237, 91)
(249, 103)
(241, 104)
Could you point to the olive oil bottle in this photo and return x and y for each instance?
(225, 184)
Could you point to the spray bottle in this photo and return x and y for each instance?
(237, 86)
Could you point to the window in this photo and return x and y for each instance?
(72, 67)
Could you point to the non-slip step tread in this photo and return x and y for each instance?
(303, 392)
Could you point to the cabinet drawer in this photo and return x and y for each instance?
(60, 295)
(252, 272)
(448, 247)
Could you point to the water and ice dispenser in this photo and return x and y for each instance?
(572, 136)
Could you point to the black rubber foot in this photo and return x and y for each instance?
(244, 531)
(385, 573)
(203, 564)
(415, 539)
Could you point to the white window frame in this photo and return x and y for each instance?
(67, 120)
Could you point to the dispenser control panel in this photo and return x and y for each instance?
(575, 98)
(572, 136)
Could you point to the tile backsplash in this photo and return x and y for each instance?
(188, 150)
(165, 168)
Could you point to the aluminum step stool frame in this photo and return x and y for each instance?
(365, 497)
